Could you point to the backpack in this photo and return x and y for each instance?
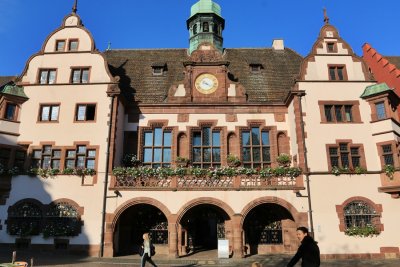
(152, 250)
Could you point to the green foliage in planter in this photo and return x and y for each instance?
(131, 160)
(233, 160)
(366, 231)
(27, 227)
(359, 170)
(279, 171)
(389, 170)
(181, 172)
(68, 171)
(293, 171)
(61, 227)
(198, 172)
(284, 159)
(266, 172)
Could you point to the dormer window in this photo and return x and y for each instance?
(159, 68)
(206, 28)
(380, 110)
(60, 45)
(73, 45)
(255, 67)
(11, 111)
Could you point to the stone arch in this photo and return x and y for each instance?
(204, 200)
(283, 143)
(182, 145)
(135, 201)
(299, 217)
(232, 144)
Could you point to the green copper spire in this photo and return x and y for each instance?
(205, 6)
(205, 25)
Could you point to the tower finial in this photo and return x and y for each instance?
(75, 7)
(326, 18)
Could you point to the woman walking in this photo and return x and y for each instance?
(147, 250)
(308, 251)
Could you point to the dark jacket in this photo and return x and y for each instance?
(308, 252)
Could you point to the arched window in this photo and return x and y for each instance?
(24, 218)
(194, 29)
(61, 219)
(359, 214)
(206, 28)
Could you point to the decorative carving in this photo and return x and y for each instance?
(206, 56)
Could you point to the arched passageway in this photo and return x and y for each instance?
(133, 222)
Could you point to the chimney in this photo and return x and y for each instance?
(278, 44)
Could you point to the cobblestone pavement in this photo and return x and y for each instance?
(59, 260)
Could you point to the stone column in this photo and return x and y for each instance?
(237, 236)
(173, 237)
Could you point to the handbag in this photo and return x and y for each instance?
(141, 250)
(152, 250)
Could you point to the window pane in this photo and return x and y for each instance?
(80, 162)
(380, 111)
(338, 113)
(196, 154)
(167, 138)
(246, 154)
(387, 149)
(206, 154)
(81, 149)
(388, 159)
(55, 164)
(349, 116)
(148, 155)
(10, 111)
(334, 161)
(52, 76)
(332, 74)
(197, 139)
(340, 73)
(255, 136)
(45, 113)
(76, 76)
(216, 154)
(265, 138)
(206, 136)
(328, 112)
(256, 154)
(266, 154)
(344, 157)
(70, 153)
(90, 164)
(57, 154)
(54, 113)
(167, 155)
(81, 113)
(246, 138)
(37, 154)
(90, 112)
(43, 76)
(157, 137)
(91, 153)
(60, 45)
(73, 45)
(148, 138)
(70, 163)
(355, 161)
(216, 139)
(47, 150)
(46, 162)
(157, 155)
(85, 76)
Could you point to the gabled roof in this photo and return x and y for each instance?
(375, 89)
(270, 85)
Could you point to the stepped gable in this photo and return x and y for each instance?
(271, 84)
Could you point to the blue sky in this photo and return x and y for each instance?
(25, 24)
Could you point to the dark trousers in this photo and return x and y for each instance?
(145, 258)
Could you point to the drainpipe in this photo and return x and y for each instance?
(307, 174)
(103, 214)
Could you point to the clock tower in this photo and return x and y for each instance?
(205, 25)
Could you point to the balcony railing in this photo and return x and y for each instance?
(191, 182)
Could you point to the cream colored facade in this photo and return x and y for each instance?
(231, 203)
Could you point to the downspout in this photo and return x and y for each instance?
(103, 214)
(306, 172)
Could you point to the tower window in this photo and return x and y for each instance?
(215, 28)
(195, 29)
(206, 28)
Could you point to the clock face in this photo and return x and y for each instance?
(206, 83)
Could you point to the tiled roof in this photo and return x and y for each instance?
(394, 60)
(6, 79)
(271, 84)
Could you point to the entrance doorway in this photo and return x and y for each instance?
(135, 221)
(201, 227)
(263, 227)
